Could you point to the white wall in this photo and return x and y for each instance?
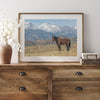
(91, 9)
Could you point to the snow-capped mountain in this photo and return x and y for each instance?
(45, 26)
(46, 31)
(50, 27)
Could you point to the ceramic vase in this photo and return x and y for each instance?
(5, 54)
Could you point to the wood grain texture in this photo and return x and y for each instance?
(50, 85)
(14, 74)
(72, 96)
(49, 81)
(69, 74)
(33, 86)
(47, 65)
(69, 86)
(35, 81)
(24, 97)
(65, 90)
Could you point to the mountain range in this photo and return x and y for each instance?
(46, 31)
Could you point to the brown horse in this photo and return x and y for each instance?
(59, 41)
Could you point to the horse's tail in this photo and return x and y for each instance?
(69, 43)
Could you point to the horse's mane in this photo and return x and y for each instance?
(55, 37)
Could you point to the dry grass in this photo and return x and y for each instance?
(50, 50)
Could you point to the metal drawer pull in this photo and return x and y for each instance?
(22, 73)
(78, 88)
(78, 73)
(22, 88)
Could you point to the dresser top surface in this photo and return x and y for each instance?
(48, 65)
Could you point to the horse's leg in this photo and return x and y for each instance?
(59, 47)
(67, 47)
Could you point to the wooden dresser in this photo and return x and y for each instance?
(51, 81)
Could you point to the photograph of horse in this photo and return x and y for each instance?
(50, 37)
(59, 41)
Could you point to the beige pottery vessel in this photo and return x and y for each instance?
(5, 54)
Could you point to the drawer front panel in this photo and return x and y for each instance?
(71, 86)
(35, 86)
(76, 74)
(24, 97)
(70, 96)
(76, 90)
(16, 74)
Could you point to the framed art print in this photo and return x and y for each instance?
(51, 37)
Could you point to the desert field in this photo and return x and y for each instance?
(51, 50)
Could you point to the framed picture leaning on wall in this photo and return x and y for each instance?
(51, 37)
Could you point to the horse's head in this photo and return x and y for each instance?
(53, 38)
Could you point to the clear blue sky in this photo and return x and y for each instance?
(60, 22)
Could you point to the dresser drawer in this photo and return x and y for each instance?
(70, 96)
(33, 81)
(76, 90)
(22, 86)
(76, 74)
(24, 97)
(71, 86)
(16, 74)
